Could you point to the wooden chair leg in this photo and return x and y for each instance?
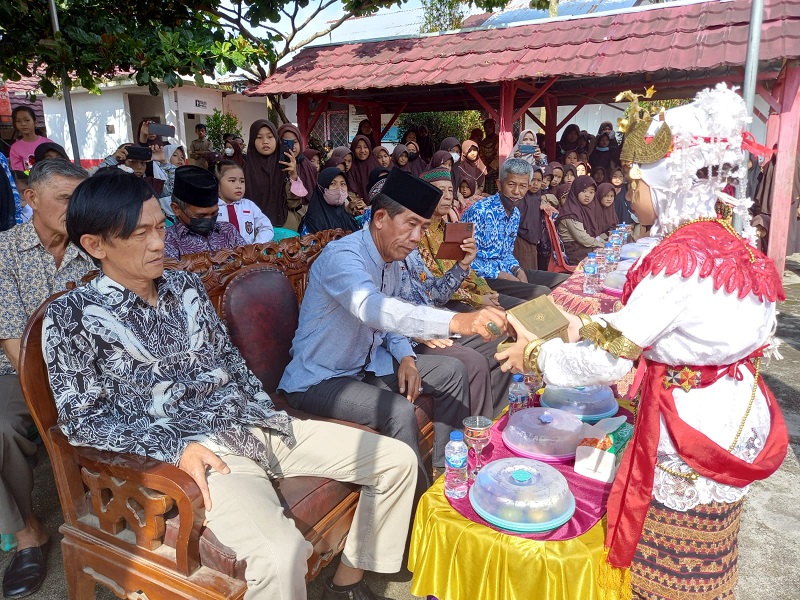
(80, 585)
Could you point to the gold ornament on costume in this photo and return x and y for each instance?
(636, 150)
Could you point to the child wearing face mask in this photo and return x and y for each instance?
(252, 224)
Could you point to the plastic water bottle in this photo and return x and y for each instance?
(612, 258)
(534, 383)
(616, 243)
(517, 395)
(455, 466)
(623, 233)
(602, 266)
(591, 276)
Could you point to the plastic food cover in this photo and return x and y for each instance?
(590, 403)
(523, 495)
(546, 434)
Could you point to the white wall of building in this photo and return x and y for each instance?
(93, 113)
(247, 109)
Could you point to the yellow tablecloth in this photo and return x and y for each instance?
(453, 558)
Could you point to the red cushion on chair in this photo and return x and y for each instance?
(255, 302)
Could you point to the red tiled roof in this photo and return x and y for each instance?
(683, 38)
(23, 86)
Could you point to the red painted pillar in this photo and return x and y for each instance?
(773, 128)
(788, 138)
(374, 116)
(302, 117)
(505, 128)
(551, 127)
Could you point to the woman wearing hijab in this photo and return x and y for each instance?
(342, 157)
(603, 154)
(326, 210)
(313, 156)
(271, 177)
(531, 220)
(605, 217)
(466, 196)
(556, 173)
(233, 152)
(569, 141)
(305, 170)
(576, 220)
(400, 158)
(383, 156)
(365, 129)
(608, 128)
(621, 206)
(570, 174)
(363, 163)
(528, 138)
(425, 143)
(452, 146)
(416, 163)
(442, 159)
(471, 167)
(561, 192)
(599, 175)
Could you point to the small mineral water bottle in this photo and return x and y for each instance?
(517, 395)
(602, 267)
(612, 258)
(455, 466)
(623, 233)
(533, 382)
(591, 276)
(616, 242)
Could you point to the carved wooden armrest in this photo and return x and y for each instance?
(136, 492)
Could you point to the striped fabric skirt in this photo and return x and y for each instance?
(688, 555)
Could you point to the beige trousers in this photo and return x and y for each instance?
(247, 516)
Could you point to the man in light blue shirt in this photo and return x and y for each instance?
(351, 356)
(496, 220)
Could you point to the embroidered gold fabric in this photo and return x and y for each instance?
(531, 356)
(611, 340)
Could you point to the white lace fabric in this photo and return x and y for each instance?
(683, 321)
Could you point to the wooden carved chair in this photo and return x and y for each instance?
(135, 525)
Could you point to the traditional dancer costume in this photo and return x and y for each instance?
(700, 311)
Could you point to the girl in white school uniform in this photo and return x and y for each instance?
(244, 214)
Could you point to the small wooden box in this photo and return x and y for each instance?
(542, 318)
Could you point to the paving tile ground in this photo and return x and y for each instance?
(769, 543)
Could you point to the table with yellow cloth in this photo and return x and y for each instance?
(453, 558)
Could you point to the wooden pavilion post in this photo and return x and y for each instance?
(374, 116)
(505, 128)
(551, 126)
(788, 147)
(302, 117)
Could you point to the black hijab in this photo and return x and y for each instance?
(321, 215)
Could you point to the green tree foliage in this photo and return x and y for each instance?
(162, 41)
(221, 123)
(442, 124)
(442, 15)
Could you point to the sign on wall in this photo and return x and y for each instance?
(200, 104)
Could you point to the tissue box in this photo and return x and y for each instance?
(600, 452)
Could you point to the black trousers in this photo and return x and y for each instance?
(540, 283)
(376, 402)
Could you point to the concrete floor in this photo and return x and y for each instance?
(769, 543)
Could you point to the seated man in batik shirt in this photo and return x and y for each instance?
(496, 220)
(139, 362)
(195, 204)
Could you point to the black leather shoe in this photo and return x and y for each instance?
(26, 571)
(360, 591)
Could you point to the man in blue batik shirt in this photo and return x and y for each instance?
(496, 220)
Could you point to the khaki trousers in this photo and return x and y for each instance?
(247, 516)
(16, 475)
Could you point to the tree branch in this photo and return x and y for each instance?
(319, 34)
(237, 22)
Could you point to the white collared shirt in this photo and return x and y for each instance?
(254, 226)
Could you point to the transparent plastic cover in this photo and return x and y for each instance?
(543, 433)
(589, 403)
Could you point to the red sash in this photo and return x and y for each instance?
(633, 487)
